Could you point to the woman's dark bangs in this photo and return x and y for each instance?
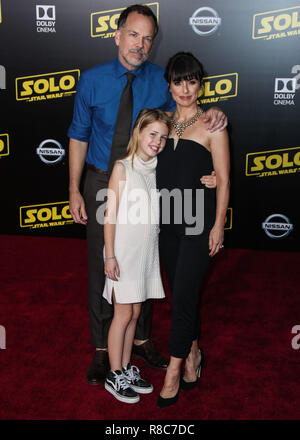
(183, 70)
(187, 76)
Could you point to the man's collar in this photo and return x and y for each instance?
(121, 70)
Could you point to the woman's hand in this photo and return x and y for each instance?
(216, 238)
(209, 181)
(111, 269)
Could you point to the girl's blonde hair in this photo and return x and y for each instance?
(144, 118)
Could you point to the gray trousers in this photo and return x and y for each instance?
(100, 311)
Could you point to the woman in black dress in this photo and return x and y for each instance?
(185, 248)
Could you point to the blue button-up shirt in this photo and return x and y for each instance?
(97, 102)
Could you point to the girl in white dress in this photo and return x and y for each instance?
(131, 248)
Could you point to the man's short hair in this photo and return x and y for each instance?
(140, 9)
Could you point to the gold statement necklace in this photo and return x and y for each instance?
(179, 127)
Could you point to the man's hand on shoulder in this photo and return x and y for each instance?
(216, 120)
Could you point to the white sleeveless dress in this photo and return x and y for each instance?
(136, 236)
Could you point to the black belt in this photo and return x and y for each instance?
(96, 170)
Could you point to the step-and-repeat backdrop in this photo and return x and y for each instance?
(250, 51)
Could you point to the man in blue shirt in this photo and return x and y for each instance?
(91, 132)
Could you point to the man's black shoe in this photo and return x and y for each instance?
(150, 355)
(98, 369)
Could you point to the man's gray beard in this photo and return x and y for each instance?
(135, 65)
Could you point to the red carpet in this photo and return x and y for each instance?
(250, 303)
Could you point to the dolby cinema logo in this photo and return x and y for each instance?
(50, 152)
(45, 18)
(284, 92)
(277, 226)
(285, 88)
(205, 21)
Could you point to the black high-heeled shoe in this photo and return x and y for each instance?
(187, 386)
(168, 401)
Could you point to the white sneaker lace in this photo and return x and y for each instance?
(132, 373)
(121, 382)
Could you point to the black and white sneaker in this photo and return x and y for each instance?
(118, 386)
(132, 375)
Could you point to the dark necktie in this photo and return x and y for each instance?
(123, 123)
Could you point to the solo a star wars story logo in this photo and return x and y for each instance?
(228, 220)
(280, 23)
(4, 144)
(104, 24)
(47, 86)
(273, 162)
(218, 88)
(45, 215)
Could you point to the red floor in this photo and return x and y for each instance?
(250, 304)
